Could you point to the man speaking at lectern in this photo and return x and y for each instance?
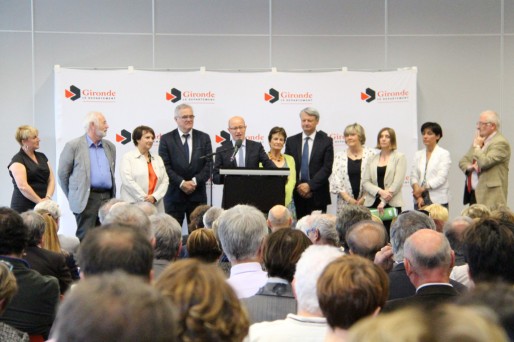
(239, 152)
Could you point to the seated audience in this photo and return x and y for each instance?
(210, 216)
(279, 217)
(148, 208)
(366, 238)
(439, 214)
(428, 261)
(488, 249)
(202, 245)
(476, 211)
(130, 215)
(308, 324)
(349, 289)
(320, 229)
(32, 309)
(282, 250)
(503, 213)
(8, 289)
(116, 247)
(449, 323)
(208, 309)
(106, 207)
(114, 307)
(168, 240)
(44, 261)
(454, 232)
(347, 217)
(241, 232)
(196, 217)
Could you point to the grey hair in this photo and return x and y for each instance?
(148, 208)
(180, 107)
(441, 257)
(311, 112)
(241, 230)
(454, 235)
(405, 225)
(106, 207)
(493, 118)
(129, 215)
(36, 225)
(348, 216)
(327, 229)
(91, 117)
(361, 238)
(210, 216)
(50, 206)
(168, 236)
(308, 269)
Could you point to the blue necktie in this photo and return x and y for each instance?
(241, 162)
(186, 146)
(304, 171)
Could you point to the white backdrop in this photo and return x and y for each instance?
(129, 98)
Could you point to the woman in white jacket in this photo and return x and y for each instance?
(429, 172)
(143, 175)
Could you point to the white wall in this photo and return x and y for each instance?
(463, 50)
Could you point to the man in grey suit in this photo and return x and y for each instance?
(86, 172)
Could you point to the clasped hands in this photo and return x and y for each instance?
(304, 190)
(188, 187)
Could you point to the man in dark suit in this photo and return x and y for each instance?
(249, 155)
(181, 150)
(428, 262)
(313, 153)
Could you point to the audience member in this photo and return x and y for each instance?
(488, 249)
(196, 217)
(282, 250)
(279, 217)
(168, 241)
(439, 214)
(46, 262)
(349, 215)
(320, 229)
(476, 211)
(454, 232)
(114, 307)
(8, 289)
(209, 310)
(308, 324)
(366, 238)
(116, 247)
(129, 215)
(148, 208)
(202, 245)
(210, 216)
(428, 261)
(106, 207)
(32, 309)
(349, 289)
(503, 212)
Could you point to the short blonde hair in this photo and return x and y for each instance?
(357, 129)
(437, 212)
(476, 211)
(24, 132)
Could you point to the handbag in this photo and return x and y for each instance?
(388, 215)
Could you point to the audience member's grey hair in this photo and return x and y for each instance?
(91, 117)
(106, 207)
(347, 217)
(308, 269)
(180, 107)
(279, 220)
(327, 229)
(130, 215)
(405, 225)
(304, 224)
(455, 235)
(358, 244)
(50, 206)
(241, 230)
(36, 225)
(168, 236)
(441, 257)
(210, 216)
(148, 208)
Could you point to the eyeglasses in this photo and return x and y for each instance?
(238, 128)
(7, 264)
(479, 123)
(187, 117)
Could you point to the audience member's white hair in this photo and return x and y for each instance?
(50, 206)
(106, 207)
(147, 207)
(308, 269)
(130, 215)
(210, 216)
(168, 236)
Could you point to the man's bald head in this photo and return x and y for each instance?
(279, 217)
(366, 238)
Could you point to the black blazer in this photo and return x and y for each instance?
(254, 155)
(320, 164)
(427, 297)
(49, 263)
(179, 169)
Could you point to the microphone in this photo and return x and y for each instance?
(239, 142)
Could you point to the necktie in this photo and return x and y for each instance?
(186, 146)
(304, 171)
(241, 162)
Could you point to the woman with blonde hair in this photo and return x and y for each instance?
(209, 309)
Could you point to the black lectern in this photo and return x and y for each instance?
(262, 188)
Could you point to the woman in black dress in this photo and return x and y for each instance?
(30, 171)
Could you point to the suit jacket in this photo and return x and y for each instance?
(493, 178)
(427, 297)
(393, 180)
(401, 287)
(273, 301)
(180, 169)
(254, 154)
(320, 164)
(49, 263)
(437, 172)
(75, 171)
(135, 181)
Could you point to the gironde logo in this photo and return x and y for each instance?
(124, 137)
(368, 96)
(272, 96)
(385, 96)
(73, 93)
(288, 97)
(89, 95)
(175, 95)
